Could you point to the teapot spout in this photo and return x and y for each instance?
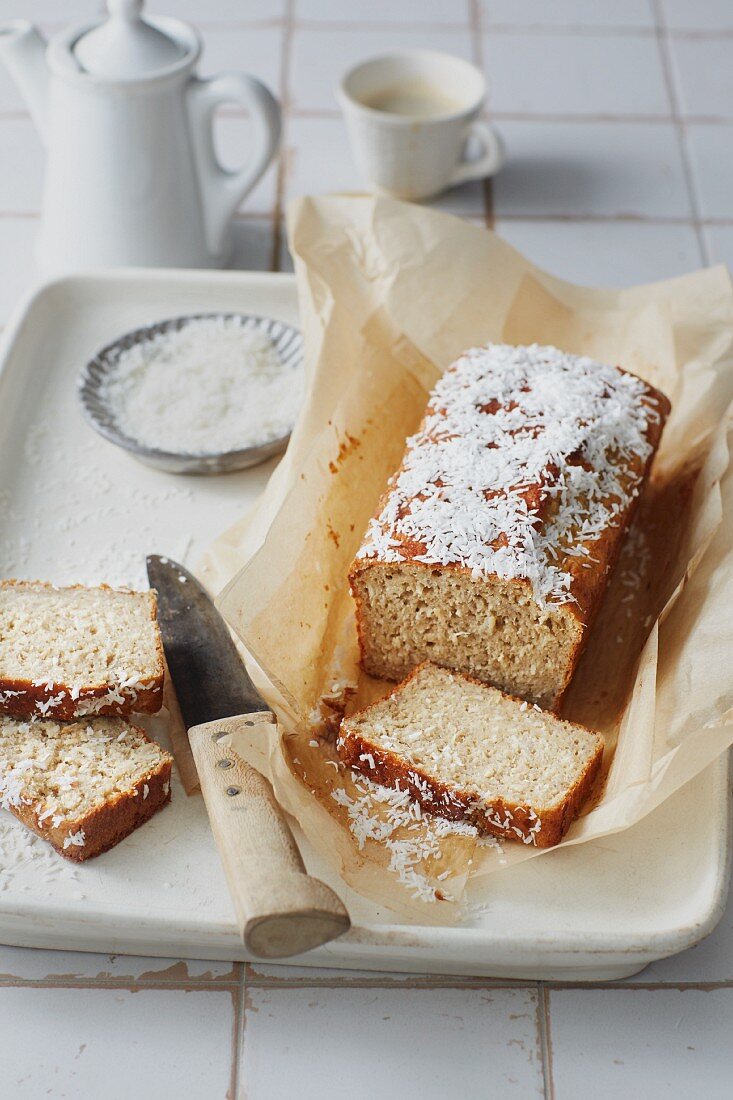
(23, 50)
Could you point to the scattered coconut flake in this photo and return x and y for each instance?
(377, 813)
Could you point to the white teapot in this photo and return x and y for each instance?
(132, 175)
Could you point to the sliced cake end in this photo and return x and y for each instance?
(467, 751)
(81, 785)
(71, 652)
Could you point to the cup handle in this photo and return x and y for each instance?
(222, 190)
(490, 160)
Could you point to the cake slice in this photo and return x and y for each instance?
(469, 752)
(72, 652)
(82, 785)
(491, 549)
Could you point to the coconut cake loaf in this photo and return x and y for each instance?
(492, 546)
(83, 786)
(72, 652)
(468, 752)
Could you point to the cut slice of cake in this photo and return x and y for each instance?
(82, 785)
(72, 652)
(469, 752)
(492, 546)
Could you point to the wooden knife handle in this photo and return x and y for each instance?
(281, 910)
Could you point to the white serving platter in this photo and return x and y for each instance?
(73, 507)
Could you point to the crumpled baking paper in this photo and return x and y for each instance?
(389, 295)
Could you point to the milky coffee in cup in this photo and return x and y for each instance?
(409, 117)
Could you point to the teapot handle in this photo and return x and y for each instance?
(223, 190)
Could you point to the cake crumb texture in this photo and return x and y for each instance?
(81, 785)
(468, 752)
(76, 651)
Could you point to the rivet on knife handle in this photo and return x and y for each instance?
(281, 910)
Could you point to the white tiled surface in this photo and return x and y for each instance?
(720, 243)
(22, 167)
(564, 63)
(169, 1043)
(659, 1043)
(705, 76)
(611, 252)
(396, 1042)
(618, 119)
(252, 49)
(636, 14)
(711, 154)
(694, 15)
(388, 12)
(609, 169)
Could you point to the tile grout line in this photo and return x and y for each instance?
(237, 1026)
(543, 1023)
(561, 117)
(487, 186)
(119, 984)
(438, 981)
(339, 26)
(724, 121)
(529, 29)
(575, 29)
(285, 60)
(668, 68)
(626, 219)
(435, 981)
(241, 1069)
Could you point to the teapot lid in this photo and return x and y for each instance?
(125, 45)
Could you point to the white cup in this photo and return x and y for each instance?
(410, 116)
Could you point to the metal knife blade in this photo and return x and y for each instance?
(210, 679)
(280, 909)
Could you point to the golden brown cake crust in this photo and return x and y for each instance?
(111, 822)
(506, 820)
(589, 572)
(25, 699)
(585, 582)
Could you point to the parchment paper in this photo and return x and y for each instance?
(390, 294)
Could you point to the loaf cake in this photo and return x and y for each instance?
(81, 785)
(468, 752)
(72, 652)
(491, 548)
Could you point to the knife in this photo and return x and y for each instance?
(281, 910)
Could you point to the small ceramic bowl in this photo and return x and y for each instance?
(288, 342)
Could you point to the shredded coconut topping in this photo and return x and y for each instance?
(526, 455)
(213, 385)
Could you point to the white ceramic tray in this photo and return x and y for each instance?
(73, 507)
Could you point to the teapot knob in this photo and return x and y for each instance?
(127, 9)
(124, 46)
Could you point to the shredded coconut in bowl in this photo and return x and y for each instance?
(209, 387)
